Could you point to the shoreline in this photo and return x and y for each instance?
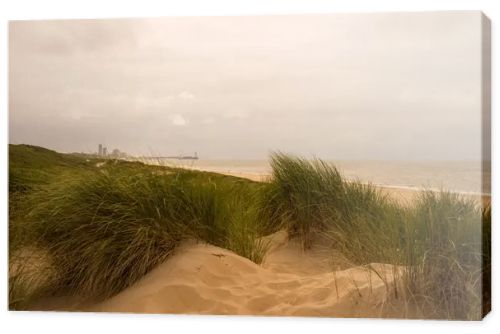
(402, 194)
(258, 173)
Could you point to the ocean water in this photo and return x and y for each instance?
(457, 176)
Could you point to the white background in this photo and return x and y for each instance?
(51, 322)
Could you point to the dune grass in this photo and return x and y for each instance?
(441, 241)
(298, 194)
(81, 230)
(444, 256)
(486, 258)
(105, 229)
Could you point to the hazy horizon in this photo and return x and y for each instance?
(394, 86)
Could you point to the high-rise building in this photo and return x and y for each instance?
(104, 151)
(116, 153)
(100, 150)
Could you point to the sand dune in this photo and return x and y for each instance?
(204, 279)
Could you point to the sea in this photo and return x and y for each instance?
(457, 176)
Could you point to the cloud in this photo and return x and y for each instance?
(93, 80)
(208, 120)
(236, 113)
(178, 120)
(144, 103)
(77, 36)
(185, 95)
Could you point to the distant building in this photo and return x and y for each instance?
(117, 154)
(100, 150)
(104, 151)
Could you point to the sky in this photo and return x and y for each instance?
(403, 86)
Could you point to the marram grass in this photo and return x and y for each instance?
(106, 229)
(441, 242)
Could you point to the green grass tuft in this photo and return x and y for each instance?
(442, 242)
(104, 229)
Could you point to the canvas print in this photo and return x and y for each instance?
(306, 165)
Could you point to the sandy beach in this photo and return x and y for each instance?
(403, 195)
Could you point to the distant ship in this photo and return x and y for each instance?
(180, 157)
(184, 157)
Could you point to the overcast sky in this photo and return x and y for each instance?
(351, 86)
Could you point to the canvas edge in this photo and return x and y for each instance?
(486, 158)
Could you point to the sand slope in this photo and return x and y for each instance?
(203, 279)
